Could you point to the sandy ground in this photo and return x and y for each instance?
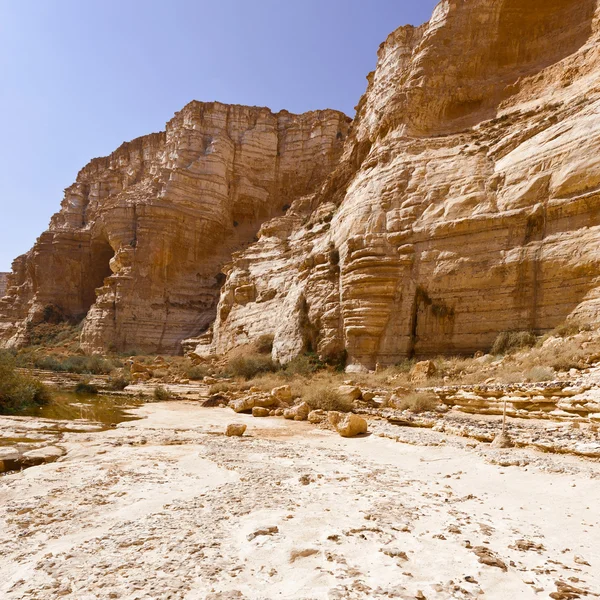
(168, 507)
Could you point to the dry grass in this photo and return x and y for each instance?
(417, 402)
(509, 341)
(322, 396)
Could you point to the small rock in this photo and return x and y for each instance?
(235, 430)
(502, 440)
(265, 531)
(259, 411)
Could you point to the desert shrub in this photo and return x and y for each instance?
(17, 391)
(83, 387)
(264, 344)
(304, 364)
(161, 394)
(250, 366)
(222, 388)
(118, 383)
(92, 365)
(196, 372)
(325, 397)
(417, 402)
(540, 373)
(52, 334)
(508, 341)
(570, 328)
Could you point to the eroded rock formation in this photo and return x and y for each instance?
(467, 201)
(140, 239)
(3, 283)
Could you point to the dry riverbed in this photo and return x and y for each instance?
(168, 507)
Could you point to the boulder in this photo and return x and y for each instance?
(349, 393)
(317, 416)
(249, 402)
(351, 425)
(299, 412)
(259, 411)
(235, 430)
(422, 371)
(283, 394)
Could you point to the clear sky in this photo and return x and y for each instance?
(79, 77)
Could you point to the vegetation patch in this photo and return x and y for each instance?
(18, 392)
(325, 397)
(509, 341)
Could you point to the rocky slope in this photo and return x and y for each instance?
(3, 283)
(465, 204)
(141, 235)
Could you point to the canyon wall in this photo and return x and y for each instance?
(141, 236)
(3, 283)
(464, 200)
(467, 200)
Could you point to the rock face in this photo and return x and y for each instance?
(466, 201)
(140, 239)
(3, 283)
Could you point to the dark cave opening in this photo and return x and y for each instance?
(96, 270)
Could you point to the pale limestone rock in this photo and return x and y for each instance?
(317, 416)
(422, 371)
(249, 402)
(299, 412)
(283, 394)
(463, 204)
(349, 393)
(235, 430)
(259, 411)
(142, 236)
(351, 425)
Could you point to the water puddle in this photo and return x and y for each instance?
(66, 406)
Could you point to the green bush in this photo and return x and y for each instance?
(118, 383)
(161, 394)
(91, 365)
(85, 388)
(509, 341)
(196, 372)
(250, 366)
(18, 392)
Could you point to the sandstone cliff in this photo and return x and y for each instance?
(141, 236)
(463, 201)
(3, 283)
(467, 200)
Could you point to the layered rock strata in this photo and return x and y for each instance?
(3, 283)
(466, 202)
(141, 236)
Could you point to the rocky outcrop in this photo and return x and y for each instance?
(465, 202)
(3, 283)
(141, 236)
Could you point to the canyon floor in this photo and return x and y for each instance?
(168, 507)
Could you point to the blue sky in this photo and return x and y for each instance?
(79, 77)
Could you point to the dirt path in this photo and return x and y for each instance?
(168, 507)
